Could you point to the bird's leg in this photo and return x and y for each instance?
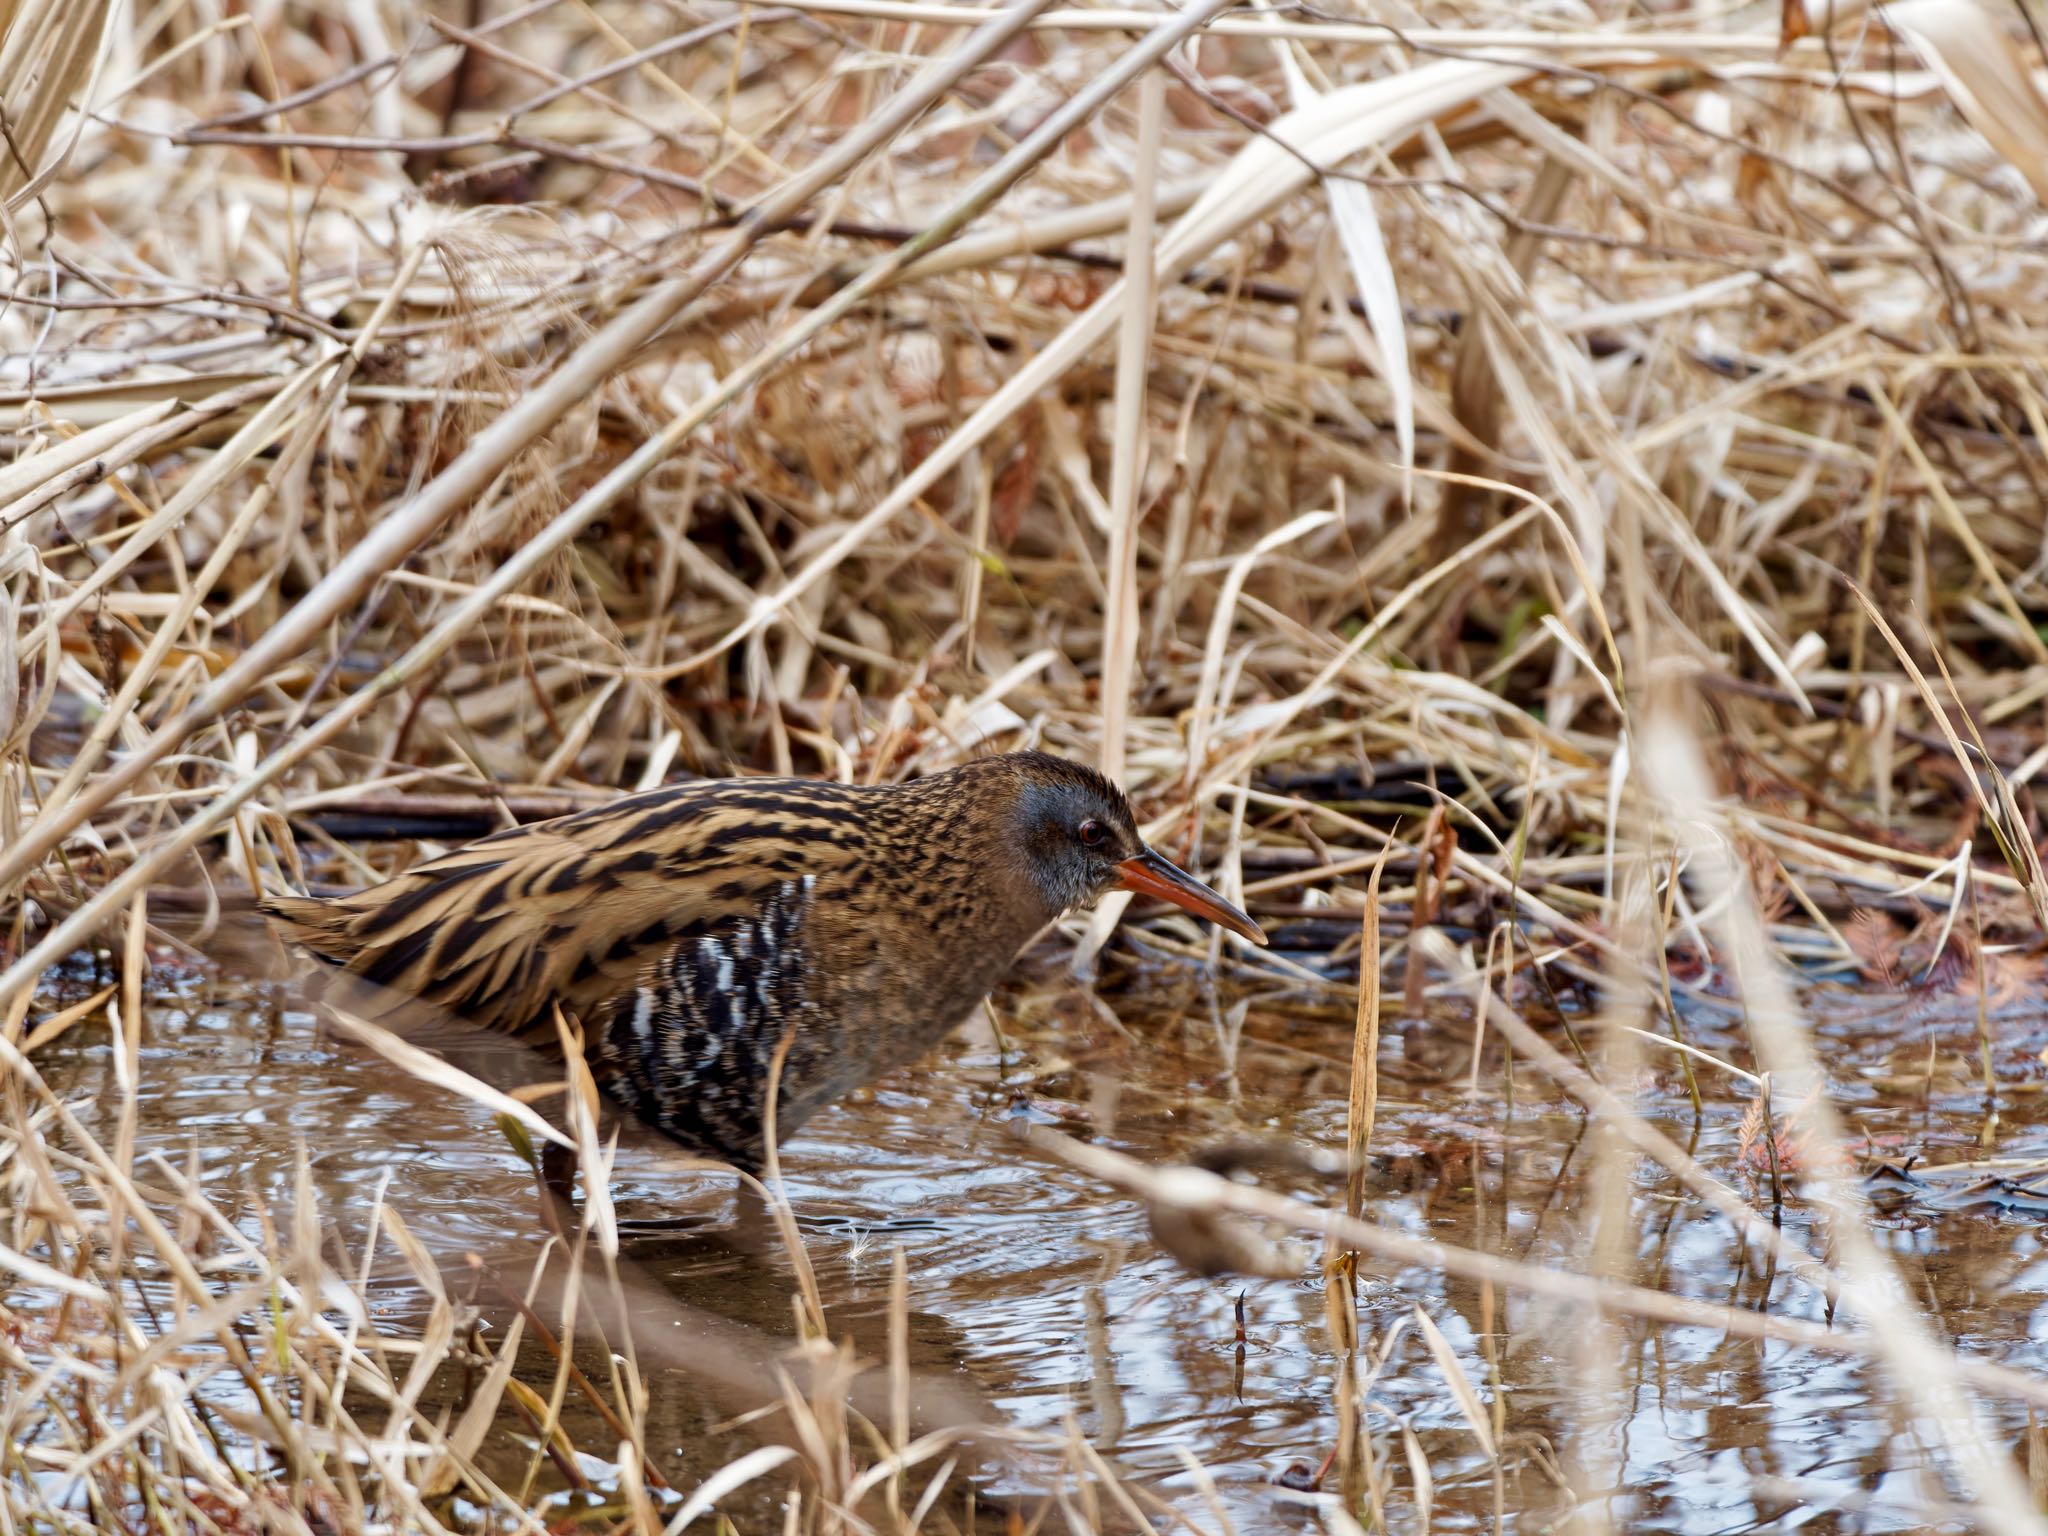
(753, 1224)
(557, 1173)
(554, 1167)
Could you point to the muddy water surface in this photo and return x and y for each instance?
(1039, 1299)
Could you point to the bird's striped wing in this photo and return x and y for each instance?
(574, 911)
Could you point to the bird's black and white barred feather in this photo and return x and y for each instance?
(692, 1049)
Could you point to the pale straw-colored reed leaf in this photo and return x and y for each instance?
(51, 56)
(1476, 1416)
(433, 1070)
(1970, 47)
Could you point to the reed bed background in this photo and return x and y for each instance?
(1626, 421)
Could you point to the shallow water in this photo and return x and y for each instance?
(1037, 1297)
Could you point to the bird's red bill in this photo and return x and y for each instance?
(1150, 875)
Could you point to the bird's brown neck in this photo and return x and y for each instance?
(951, 838)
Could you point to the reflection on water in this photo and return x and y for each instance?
(1036, 1298)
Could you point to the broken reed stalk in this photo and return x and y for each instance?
(1364, 1100)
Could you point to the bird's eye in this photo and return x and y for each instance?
(1093, 834)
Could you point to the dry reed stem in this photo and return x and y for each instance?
(1127, 451)
(1924, 1374)
(1363, 1105)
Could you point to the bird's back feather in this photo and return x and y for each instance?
(574, 910)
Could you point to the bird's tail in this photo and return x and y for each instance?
(322, 926)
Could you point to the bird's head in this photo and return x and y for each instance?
(1079, 842)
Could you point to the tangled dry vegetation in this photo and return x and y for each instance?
(1626, 421)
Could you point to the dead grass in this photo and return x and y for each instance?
(1629, 424)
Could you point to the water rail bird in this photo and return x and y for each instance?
(692, 930)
